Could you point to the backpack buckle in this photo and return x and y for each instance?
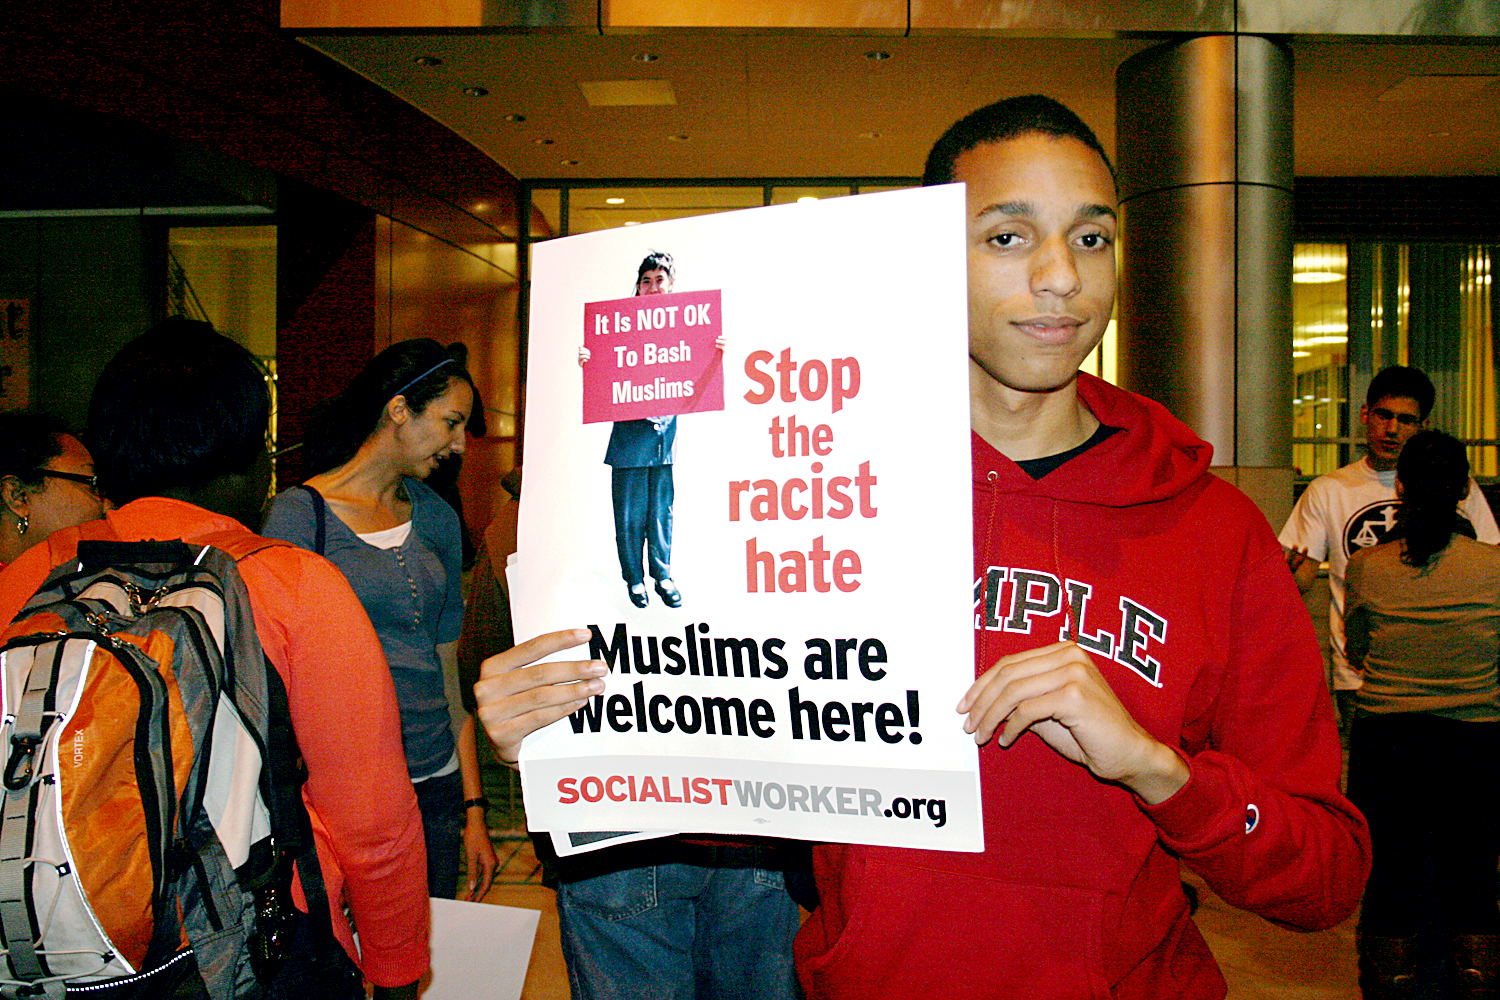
(139, 602)
(20, 770)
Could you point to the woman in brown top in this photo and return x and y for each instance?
(1422, 622)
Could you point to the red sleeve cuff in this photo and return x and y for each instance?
(1193, 819)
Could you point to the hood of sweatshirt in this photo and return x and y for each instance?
(1157, 456)
(1171, 581)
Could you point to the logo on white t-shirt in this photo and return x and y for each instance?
(1370, 525)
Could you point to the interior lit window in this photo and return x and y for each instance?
(1360, 307)
(1320, 351)
(593, 209)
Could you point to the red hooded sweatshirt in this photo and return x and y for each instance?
(1174, 583)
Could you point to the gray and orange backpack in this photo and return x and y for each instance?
(151, 802)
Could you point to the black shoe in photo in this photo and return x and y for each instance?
(670, 595)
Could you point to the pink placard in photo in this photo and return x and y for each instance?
(652, 356)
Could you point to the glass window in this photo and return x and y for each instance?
(227, 276)
(786, 195)
(1477, 361)
(593, 209)
(1361, 307)
(546, 213)
(1320, 340)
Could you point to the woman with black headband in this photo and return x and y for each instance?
(367, 510)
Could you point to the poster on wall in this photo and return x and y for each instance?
(747, 473)
(15, 354)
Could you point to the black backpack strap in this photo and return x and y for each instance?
(320, 507)
(283, 775)
(277, 940)
(316, 893)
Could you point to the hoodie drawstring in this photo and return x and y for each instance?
(985, 597)
(1069, 624)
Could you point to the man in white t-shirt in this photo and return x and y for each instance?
(1355, 507)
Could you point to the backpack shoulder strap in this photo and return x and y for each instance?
(62, 546)
(320, 509)
(285, 771)
(238, 544)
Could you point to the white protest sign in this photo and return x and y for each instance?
(816, 527)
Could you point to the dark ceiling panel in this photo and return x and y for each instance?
(221, 73)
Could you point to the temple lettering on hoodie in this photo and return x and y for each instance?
(1009, 599)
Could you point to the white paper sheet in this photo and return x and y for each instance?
(479, 951)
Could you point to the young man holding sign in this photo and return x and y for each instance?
(1182, 716)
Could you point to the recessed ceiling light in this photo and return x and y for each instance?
(476, 92)
(677, 138)
(481, 206)
(645, 57)
(614, 201)
(568, 163)
(632, 223)
(543, 142)
(878, 55)
(515, 118)
(427, 61)
(806, 197)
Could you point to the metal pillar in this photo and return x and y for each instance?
(1204, 129)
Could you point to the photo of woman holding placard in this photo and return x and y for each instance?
(640, 461)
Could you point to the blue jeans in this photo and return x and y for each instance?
(680, 931)
(643, 501)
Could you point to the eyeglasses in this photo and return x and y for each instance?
(91, 483)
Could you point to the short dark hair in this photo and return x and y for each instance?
(418, 370)
(28, 441)
(656, 260)
(178, 407)
(1399, 380)
(1007, 119)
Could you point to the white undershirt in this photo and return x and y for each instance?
(388, 538)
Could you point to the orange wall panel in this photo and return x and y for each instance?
(428, 288)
